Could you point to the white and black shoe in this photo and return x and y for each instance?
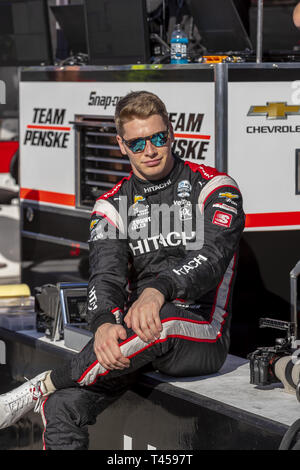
(15, 404)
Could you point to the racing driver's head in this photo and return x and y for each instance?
(145, 134)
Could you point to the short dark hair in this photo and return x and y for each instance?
(141, 105)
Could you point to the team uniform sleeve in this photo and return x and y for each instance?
(219, 233)
(108, 280)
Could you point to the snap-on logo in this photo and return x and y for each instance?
(102, 100)
(220, 218)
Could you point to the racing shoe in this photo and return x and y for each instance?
(29, 395)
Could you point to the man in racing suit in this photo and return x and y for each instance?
(163, 247)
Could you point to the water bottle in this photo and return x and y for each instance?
(179, 43)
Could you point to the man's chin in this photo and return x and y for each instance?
(154, 173)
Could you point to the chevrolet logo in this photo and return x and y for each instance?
(277, 110)
(229, 195)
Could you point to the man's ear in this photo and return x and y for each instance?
(121, 145)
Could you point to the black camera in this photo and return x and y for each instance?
(263, 359)
(262, 363)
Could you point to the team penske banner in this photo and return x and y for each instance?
(263, 138)
(264, 135)
(47, 136)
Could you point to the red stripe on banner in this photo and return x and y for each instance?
(47, 196)
(192, 136)
(273, 219)
(52, 128)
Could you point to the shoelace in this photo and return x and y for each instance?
(37, 395)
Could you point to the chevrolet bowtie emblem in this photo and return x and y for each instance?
(277, 110)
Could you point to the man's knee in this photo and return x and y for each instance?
(169, 310)
(193, 358)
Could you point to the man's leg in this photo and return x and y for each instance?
(71, 410)
(67, 413)
(189, 345)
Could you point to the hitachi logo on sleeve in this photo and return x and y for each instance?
(194, 263)
(92, 301)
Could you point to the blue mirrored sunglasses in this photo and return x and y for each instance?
(138, 145)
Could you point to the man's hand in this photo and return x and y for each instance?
(107, 348)
(143, 315)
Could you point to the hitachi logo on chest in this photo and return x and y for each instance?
(156, 187)
(154, 243)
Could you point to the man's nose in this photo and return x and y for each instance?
(150, 149)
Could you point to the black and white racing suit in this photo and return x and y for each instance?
(179, 235)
